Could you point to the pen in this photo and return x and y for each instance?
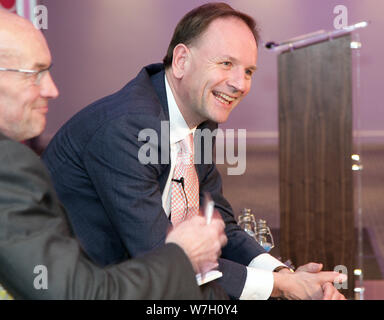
(208, 208)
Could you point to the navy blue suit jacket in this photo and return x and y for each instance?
(113, 201)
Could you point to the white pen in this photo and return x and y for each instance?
(209, 206)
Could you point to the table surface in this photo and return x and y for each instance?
(373, 289)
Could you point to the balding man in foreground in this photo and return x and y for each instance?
(34, 231)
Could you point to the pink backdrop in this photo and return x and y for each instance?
(98, 46)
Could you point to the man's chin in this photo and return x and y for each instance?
(36, 131)
(219, 118)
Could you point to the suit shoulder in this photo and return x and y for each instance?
(18, 158)
(138, 98)
(12, 150)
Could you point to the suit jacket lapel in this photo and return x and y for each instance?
(158, 84)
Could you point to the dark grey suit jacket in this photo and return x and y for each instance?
(34, 231)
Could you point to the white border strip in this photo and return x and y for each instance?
(32, 5)
(20, 7)
(23, 5)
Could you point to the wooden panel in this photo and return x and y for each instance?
(315, 140)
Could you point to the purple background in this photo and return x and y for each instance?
(99, 45)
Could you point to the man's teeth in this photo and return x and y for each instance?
(224, 98)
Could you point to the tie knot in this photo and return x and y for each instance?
(186, 145)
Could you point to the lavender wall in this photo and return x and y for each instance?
(99, 45)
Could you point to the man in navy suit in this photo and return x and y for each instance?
(40, 258)
(120, 207)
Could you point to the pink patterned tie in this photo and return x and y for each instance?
(185, 190)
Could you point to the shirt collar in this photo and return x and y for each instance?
(178, 127)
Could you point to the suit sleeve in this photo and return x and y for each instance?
(34, 232)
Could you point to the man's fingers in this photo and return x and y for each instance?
(311, 267)
(332, 276)
(216, 217)
(331, 293)
(341, 278)
(328, 291)
(338, 296)
(218, 223)
(341, 297)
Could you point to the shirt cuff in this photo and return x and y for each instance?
(258, 285)
(266, 262)
(259, 281)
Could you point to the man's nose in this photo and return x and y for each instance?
(238, 81)
(48, 88)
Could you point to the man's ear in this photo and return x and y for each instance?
(180, 60)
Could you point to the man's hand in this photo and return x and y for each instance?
(201, 242)
(307, 283)
(331, 293)
(329, 290)
(311, 267)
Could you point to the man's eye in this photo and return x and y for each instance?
(249, 73)
(227, 63)
(31, 76)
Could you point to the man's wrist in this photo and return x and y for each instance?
(278, 279)
(282, 281)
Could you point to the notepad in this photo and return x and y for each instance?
(209, 276)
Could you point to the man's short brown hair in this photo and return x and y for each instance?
(195, 22)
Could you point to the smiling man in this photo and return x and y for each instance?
(120, 207)
(210, 76)
(34, 230)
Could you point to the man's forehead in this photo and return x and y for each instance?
(226, 28)
(9, 55)
(6, 54)
(27, 50)
(228, 37)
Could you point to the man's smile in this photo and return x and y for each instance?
(223, 98)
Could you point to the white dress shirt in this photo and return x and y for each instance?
(259, 281)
